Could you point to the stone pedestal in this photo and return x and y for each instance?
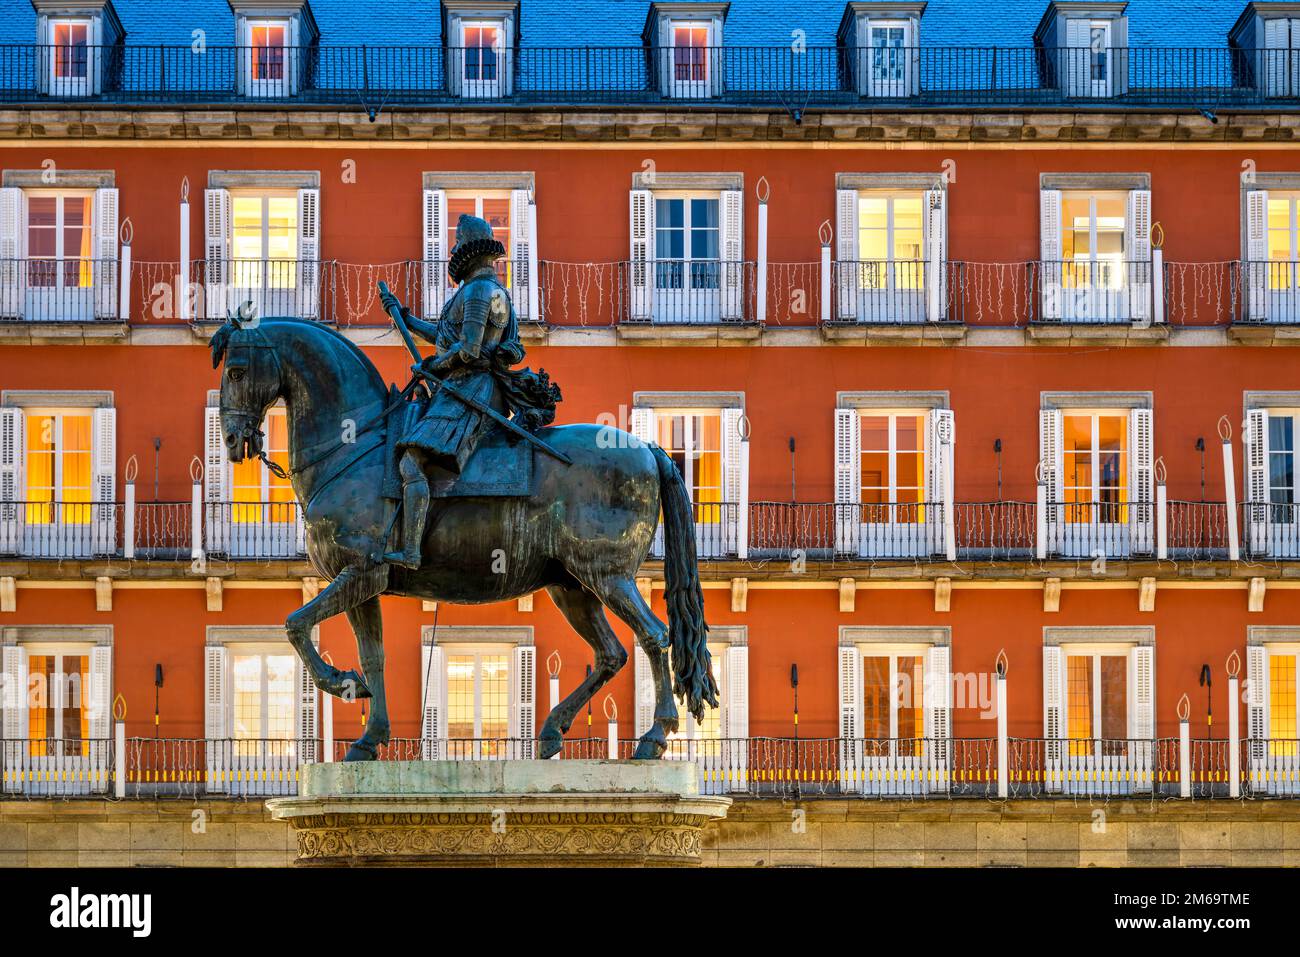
(499, 813)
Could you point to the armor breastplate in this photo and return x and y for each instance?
(495, 300)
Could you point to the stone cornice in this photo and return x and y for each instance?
(684, 127)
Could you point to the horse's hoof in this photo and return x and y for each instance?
(652, 745)
(348, 685)
(549, 743)
(361, 751)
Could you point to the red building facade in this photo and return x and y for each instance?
(944, 385)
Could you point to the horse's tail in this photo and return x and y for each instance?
(692, 673)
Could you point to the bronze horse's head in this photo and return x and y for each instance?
(250, 384)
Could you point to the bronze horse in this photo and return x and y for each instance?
(582, 536)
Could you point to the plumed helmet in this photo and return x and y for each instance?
(474, 241)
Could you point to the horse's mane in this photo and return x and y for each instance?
(221, 341)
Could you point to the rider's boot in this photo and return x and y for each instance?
(415, 510)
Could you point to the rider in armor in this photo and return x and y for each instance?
(477, 343)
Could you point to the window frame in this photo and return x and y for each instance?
(688, 415)
(85, 272)
(58, 487)
(893, 651)
(60, 650)
(262, 650)
(1096, 651)
(893, 507)
(687, 265)
(478, 650)
(1280, 649)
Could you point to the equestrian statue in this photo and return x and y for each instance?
(457, 488)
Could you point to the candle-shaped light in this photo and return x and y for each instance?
(1233, 666)
(762, 191)
(611, 715)
(183, 279)
(327, 717)
(1004, 771)
(825, 233)
(1230, 485)
(553, 669)
(125, 234)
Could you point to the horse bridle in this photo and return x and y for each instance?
(259, 342)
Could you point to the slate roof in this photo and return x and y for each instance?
(565, 23)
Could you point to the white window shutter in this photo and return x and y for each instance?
(104, 481)
(520, 240)
(1256, 455)
(12, 489)
(216, 250)
(1054, 729)
(735, 692)
(850, 695)
(1077, 65)
(1049, 234)
(1256, 264)
(216, 724)
(434, 264)
(104, 269)
(846, 254)
(13, 727)
(308, 253)
(101, 703)
(643, 424)
(733, 475)
(644, 690)
(1144, 692)
(641, 265)
(308, 715)
(936, 249)
(216, 475)
(1275, 70)
(1256, 698)
(848, 480)
(1137, 250)
(937, 700)
(13, 274)
(1141, 462)
(731, 246)
(940, 498)
(523, 699)
(1049, 448)
(433, 722)
(736, 677)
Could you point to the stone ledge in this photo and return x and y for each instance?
(1264, 334)
(667, 333)
(894, 334)
(1086, 334)
(30, 332)
(351, 123)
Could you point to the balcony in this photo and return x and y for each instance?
(824, 77)
(898, 293)
(756, 767)
(152, 531)
(429, 287)
(305, 288)
(1095, 292)
(1266, 299)
(683, 293)
(60, 297)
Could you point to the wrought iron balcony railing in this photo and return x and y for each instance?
(58, 290)
(689, 292)
(1095, 291)
(1266, 293)
(305, 288)
(759, 767)
(898, 292)
(780, 76)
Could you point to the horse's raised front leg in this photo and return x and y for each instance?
(587, 616)
(367, 624)
(353, 586)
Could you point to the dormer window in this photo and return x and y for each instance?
(275, 39)
(481, 38)
(1085, 48)
(880, 48)
(685, 42)
(1269, 33)
(74, 37)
